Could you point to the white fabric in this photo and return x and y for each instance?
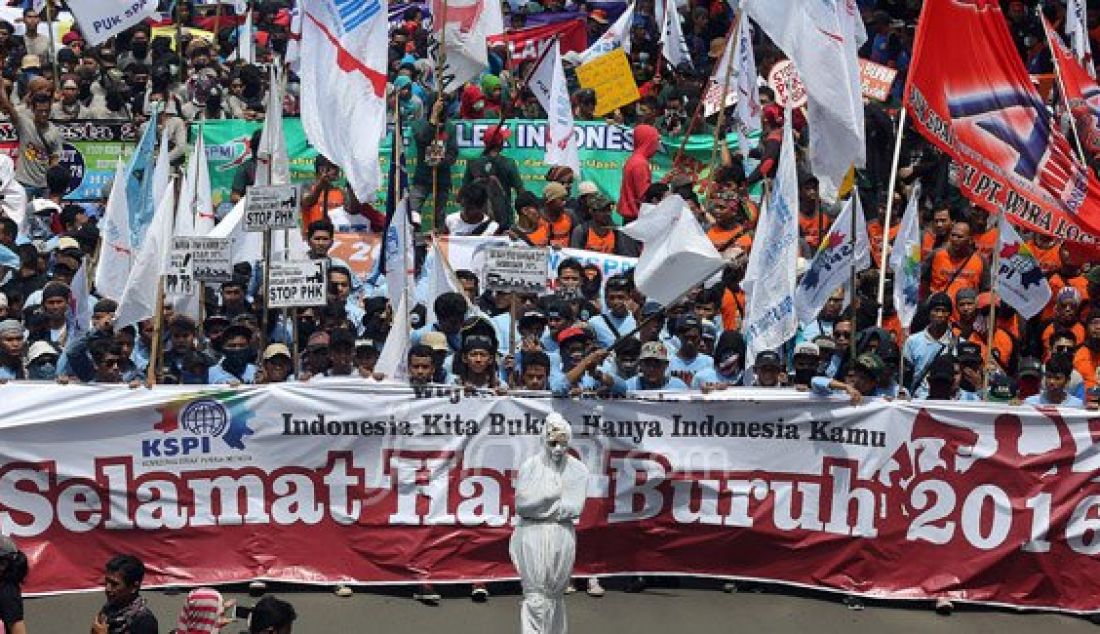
(549, 86)
(139, 298)
(393, 358)
(677, 254)
(769, 281)
(194, 217)
(550, 496)
(673, 46)
(246, 46)
(101, 20)
(822, 39)
(245, 246)
(832, 265)
(748, 95)
(440, 279)
(273, 166)
(905, 259)
(115, 253)
(1020, 281)
(344, 87)
(616, 36)
(469, 25)
(162, 171)
(713, 94)
(1078, 31)
(13, 203)
(79, 315)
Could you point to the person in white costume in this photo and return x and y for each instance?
(550, 495)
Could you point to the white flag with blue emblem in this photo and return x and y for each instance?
(616, 36)
(832, 265)
(905, 259)
(1020, 279)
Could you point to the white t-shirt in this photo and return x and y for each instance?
(456, 226)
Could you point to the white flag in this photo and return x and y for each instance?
(115, 252)
(246, 45)
(673, 46)
(78, 318)
(1078, 32)
(748, 93)
(194, 216)
(713, 94)
(162, 171)
(101, 20)
(549, 86)
(273, 165)
(1020, 279)
(616, 36)
(822, 39)
(468, 25)
(245, 246)
(831, 267)
(769, 282)
(677, 253)
(294, 41)
(905, 259)
(438, 278)
(139, 298)
(393, 359)
(13, 197)
(345, 47)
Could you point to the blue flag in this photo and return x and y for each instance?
(139, 184)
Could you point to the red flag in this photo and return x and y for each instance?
(975, 101)
(1079, 88)
(526, 44)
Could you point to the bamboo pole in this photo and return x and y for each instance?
(889, 211)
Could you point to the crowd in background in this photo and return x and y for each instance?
(568, 340)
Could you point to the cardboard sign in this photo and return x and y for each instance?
(211, 258)
(610, 76)
(178, 277)
(297, 283)
(876, 80)
(515, 270)
(787, 85)
(273, 207)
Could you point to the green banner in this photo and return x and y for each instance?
(603, 152)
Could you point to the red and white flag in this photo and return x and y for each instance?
(975, 101)
(465, 26)
(344, 54)
(1079, 89)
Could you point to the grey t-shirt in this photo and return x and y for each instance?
(35, 148)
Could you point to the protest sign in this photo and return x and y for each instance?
(991, 503)
(609, 75)
(876, 80)
(178, 275)
(787, 85)
(296, 283)
(271, 207)
(515, 270)
(211, 258)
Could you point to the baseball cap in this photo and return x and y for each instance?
(968, 352)
(1001, 388)
(554, 191)
(435, 340)
(807, 349)
(653, 350)
(31, 61)
(688, 322)
(768, 359)
(1030, 366)
(237, 330)
(572, 332)
(276, 350)
(478, 342)
(496, 134)
(41, 349)
(650, 308)
(362, 345)
(531, 318)
(43, 206)
(317, 341)
(870, 363)
(10, 325)
(587, 187)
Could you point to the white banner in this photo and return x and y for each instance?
(101, 20)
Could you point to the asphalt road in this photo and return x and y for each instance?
(659, 610)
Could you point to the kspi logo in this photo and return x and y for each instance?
(201, 421)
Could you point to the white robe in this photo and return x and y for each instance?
(549, 497)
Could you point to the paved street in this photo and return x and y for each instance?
(661, 610)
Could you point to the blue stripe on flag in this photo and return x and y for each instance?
(354, 13)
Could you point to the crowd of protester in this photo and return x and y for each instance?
(586, 334)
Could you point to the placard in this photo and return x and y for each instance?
(787, 85)
(296, 283)
(211, 258)
(178, 277)
(271, 207)
(876, 80)
(610, 76)
(515, 270)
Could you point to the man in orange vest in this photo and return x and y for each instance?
(957, 265)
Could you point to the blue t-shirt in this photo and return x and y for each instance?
(605, 336)
(686, 370)
(1041, 399)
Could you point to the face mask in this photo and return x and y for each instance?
(237, 358)
(42, 371)
(803, 376)
(139, 49)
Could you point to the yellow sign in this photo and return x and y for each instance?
(170, 33)
(610, 76)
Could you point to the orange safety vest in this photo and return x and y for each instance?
(950, 276)
(560, 230)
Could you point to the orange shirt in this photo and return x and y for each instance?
(1050, 260)
(601, 244)
(892, 324)
(950, 275)
(1086, 362)
(812, 228)
(1003, 344)
(733, 309)
(1077, 329)
(927, 244)
(319, 210)
(540, 237)
(986, 242)
(723, 239)
(874, 232)
(560, 230)
(1057, 283)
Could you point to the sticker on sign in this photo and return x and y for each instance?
(211, 258)
(787, 85)
(296, 283)
(273, 207)
(516, 270)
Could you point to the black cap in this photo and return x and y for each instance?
(531, 318)
(768, 359)
(687, 322)
(969, 352)
(478, 342)
(1001, 387)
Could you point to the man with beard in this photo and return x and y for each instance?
(126, 611)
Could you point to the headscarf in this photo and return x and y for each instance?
(200, 612)
(468, 105)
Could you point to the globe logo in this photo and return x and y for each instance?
(204, 418)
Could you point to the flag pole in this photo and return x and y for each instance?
(1062, 90)
(440, 125)
(156, 351)
(857, 208)
(731, 33)
(217, 28)
(889, 215)
(53, 45)
(725, 93)
(992, 326)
